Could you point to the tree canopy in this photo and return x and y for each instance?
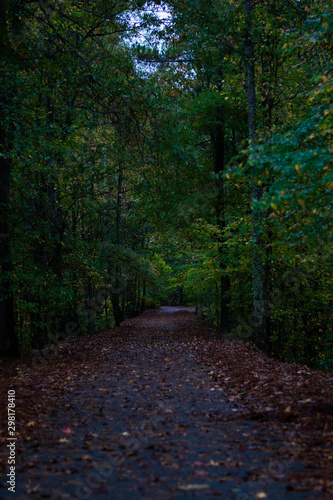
(162, 153)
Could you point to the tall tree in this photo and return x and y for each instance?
(8, 66)
(259, 305)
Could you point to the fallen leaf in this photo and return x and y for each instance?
(190, 487)
(200, 473)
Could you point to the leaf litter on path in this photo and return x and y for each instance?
(161, 408)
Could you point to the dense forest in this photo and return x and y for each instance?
(167, 153)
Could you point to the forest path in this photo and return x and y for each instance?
(139, 412)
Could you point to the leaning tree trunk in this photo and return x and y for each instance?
(8, 334)
(260, 329)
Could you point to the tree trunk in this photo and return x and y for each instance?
(143, 299)
(90, 310)
(260, 328)
(117, 287)
(8, 334)
(219, 164)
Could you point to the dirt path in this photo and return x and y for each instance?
(141, 412)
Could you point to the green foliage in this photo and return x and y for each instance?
(131, 188)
